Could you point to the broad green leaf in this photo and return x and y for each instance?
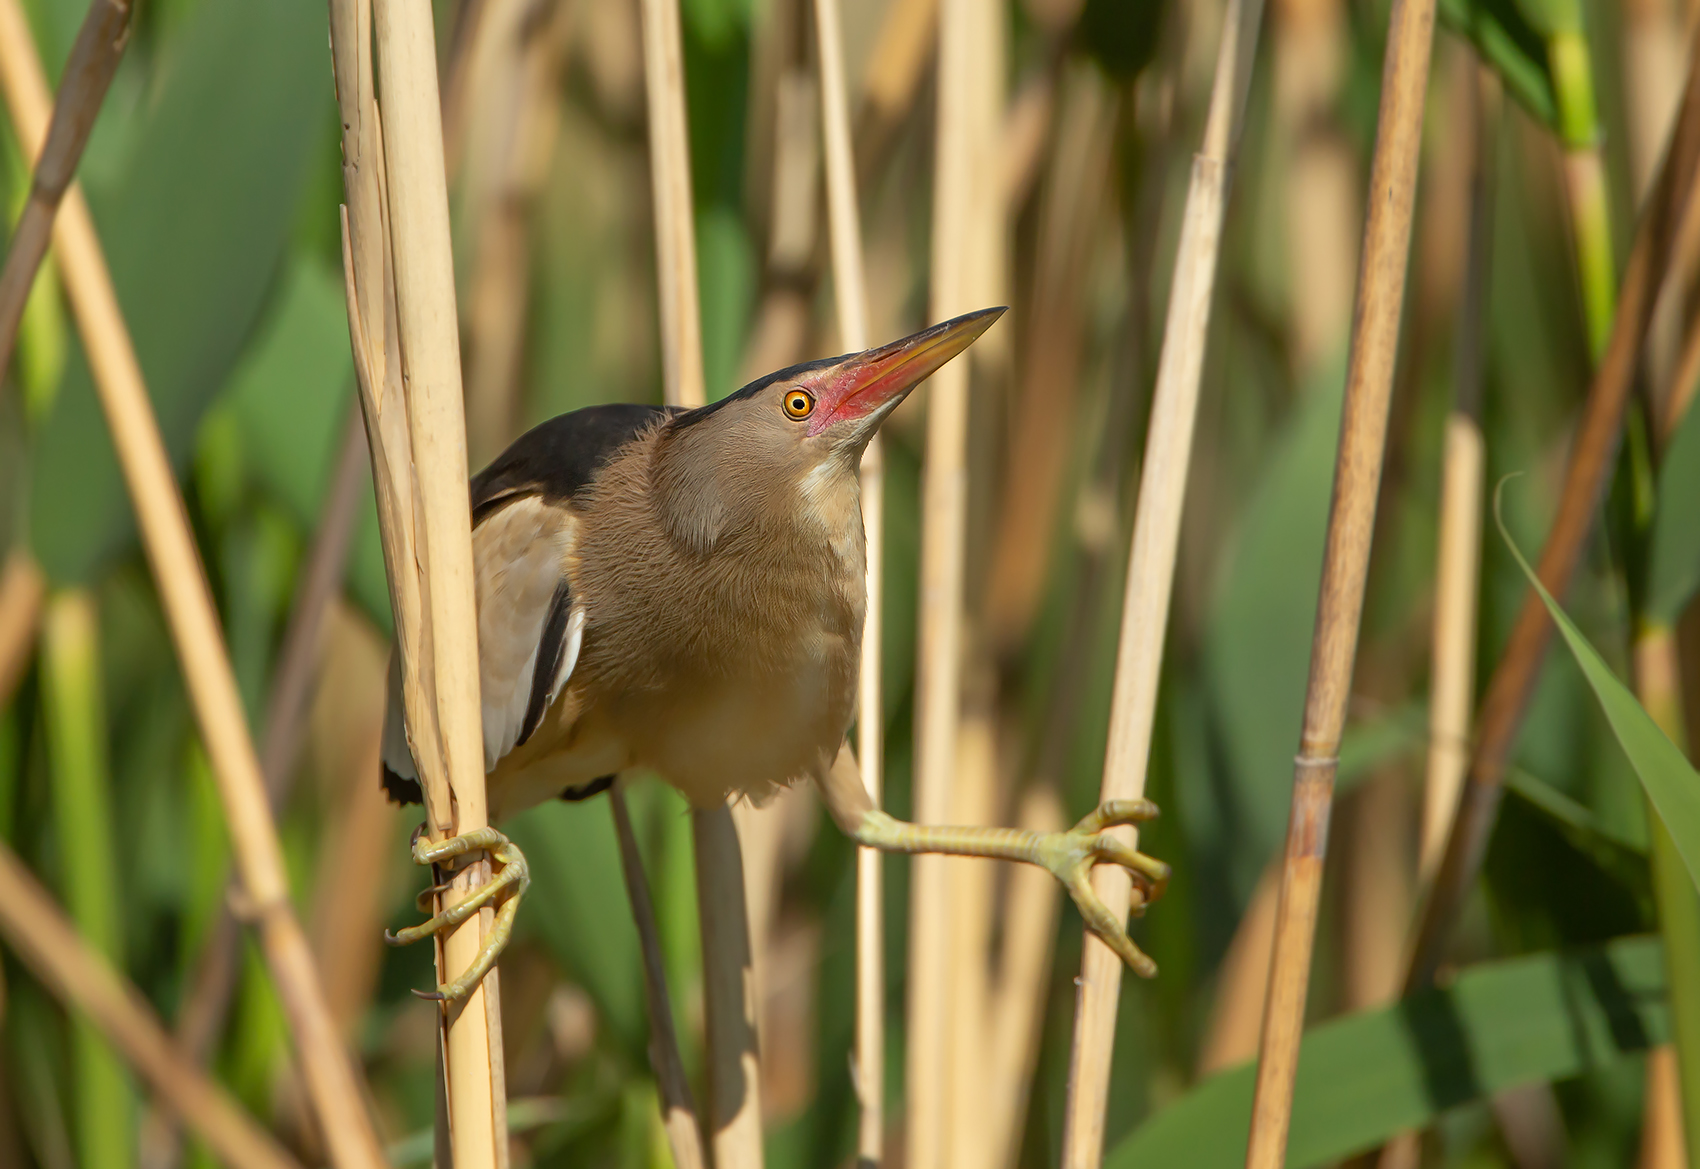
(1673, 572)
(1513, 46)
(193, 228)
(1365, 1077)
(1669, 779)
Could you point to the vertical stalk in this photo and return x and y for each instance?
(1658, 685)
(1156, 540)
(1462, 468)
(428, 332)
(329, 1072)
(1585, 178)
(1363, 431)
(104, 1105)
(734, 1081)
(851, 297)
(22, 590)
(944, 517)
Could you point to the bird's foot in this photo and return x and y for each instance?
(1071, 856)
(505, 887)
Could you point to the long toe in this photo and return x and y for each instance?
(1102, 922)
(1114, 813)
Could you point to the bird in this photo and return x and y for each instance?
(683, 591)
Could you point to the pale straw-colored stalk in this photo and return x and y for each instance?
(23, 588)
(82, 978)
(734, 1106)
(1156, 536)
(959, 171)
(1363, 432)
(1458, 562)
(326, 1064)
(850, 295)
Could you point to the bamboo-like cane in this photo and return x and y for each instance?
(734, 1105)
(1156, 536)
(1453, 672)
(50, 946)
(82, 87)
(678, 1111)
(22, 591)
(1590, 462)
(327, 1067)
(850, 293)
(397, 263)
(1363, 430)
(944, 515)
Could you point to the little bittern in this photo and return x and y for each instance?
(683, 590)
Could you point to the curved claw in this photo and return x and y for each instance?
(1102, 922)
(1150, 874)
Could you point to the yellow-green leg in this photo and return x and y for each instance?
(512, 878)
(1069, 856)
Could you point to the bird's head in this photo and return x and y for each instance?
(788, 444)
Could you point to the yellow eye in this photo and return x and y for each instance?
(799, 404)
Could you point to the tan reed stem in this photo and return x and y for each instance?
(734, 1106)
(394, 173)
(1452, 674)
(327, 1068)
(50, 946)
(82, 86)
(1591, 459)
(1156, 536)
(23, 589)
(850, 294)
(938, 669)
(1351, 521)
(678, 1111)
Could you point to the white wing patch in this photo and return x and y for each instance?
(569, 652)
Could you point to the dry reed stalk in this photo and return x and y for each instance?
(511, 102)
(1590, 463)
(1151, 569)
(734, 1107)
(850, 295)
(970, 925)
(82, 87)
(678, 1112)
(959, 182)
(23, 589)
(82, 978)
(899, 58)
(1452, 674)
(178, 574)
(1017, 1012)
(1345, 565)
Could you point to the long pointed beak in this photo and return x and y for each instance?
(872, 383)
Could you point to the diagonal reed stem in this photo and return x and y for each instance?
(72, 969)
(1591, 459)
(82, 87)
(1345, 564)
(1156, 538)
(328, 1070)
(851, 297)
